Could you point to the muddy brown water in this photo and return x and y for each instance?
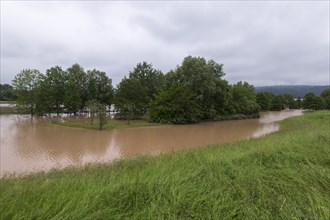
(31, 146)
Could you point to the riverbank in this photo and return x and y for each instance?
(283, 175)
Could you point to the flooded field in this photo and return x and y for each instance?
(31, 146)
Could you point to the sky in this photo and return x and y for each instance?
(261, 42)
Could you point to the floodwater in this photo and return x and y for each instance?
(28, 146)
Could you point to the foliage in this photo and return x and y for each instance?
(177, 105)
(313, 102)
(289, 101)
(284, 175)
(44, 101)
(244, 99)
(72, 97)
(131, 99)
(102, 113)
(204, 78)
(61, 91)
(264, 100)
(209, 96)
(99, 87)
(149, 91)
(97, 108)
(25, 86)
(55, 81)
(75, 94)
(269, 101)
(7, 93)
(277, 103)
(326, 97)
(151, 79)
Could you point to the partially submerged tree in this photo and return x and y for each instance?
(99, 109)
(102, 115)
(131, 99)
(25, 86)
(55, 81)
(75, 92)
(99, 87)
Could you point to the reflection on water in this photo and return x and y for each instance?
(32, 146)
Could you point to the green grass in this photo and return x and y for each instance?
(284, 175)
(111, 124)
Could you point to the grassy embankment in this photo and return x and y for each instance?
(284, 175)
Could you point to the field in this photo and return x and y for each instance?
(284, 175)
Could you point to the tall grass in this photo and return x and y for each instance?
(284, 175)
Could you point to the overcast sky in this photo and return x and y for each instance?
(264, 43)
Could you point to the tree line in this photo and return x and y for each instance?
(195, 90)
(269, 101)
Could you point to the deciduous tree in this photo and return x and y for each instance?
(25, 86)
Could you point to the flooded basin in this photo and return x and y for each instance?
(28, 146)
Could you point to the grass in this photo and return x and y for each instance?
(284, 175)
(111, 124)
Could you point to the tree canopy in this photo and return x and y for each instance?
(7, 93)
(195, 90)
(25, 86)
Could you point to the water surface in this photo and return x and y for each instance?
(33, 146)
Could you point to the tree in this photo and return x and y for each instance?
(55, 81)
(313, 102)
(44, 101)
(204, 78)
(93, 107)
(102, 116)
(264, 100)
(289, 101)
(326, 97)
(25, 86)
(244, 99)
(98, 108)
(75, 91)
(298, 103)
(177, 105)
(99, 87)
(131, 99)
(151, 79)
(7, 93)
(277, 103)
(72, 97)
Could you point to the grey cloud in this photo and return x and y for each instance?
(264, 43)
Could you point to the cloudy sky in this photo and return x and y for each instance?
(262, 42)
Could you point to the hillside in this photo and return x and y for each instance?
(296, 91)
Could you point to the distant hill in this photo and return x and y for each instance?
(296, 91)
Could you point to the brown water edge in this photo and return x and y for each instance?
(28, 146)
